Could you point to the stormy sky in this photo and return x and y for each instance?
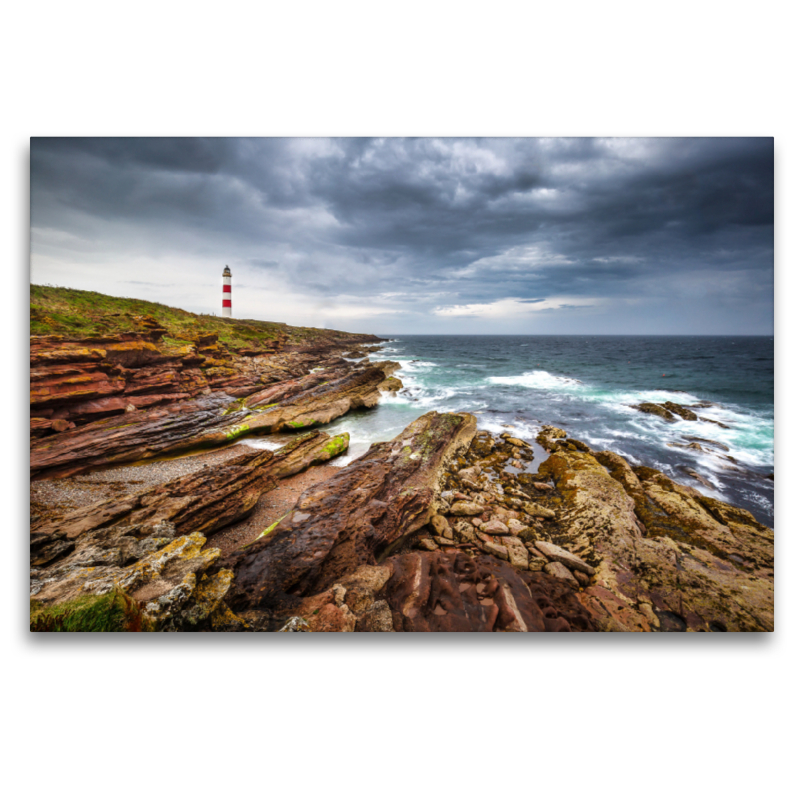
(398, 236)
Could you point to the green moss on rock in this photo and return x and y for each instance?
(114, 611)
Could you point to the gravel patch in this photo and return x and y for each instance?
(61, 494)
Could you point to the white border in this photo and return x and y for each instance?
(471, 716)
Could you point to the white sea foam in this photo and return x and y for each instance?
(631, 459)
(536, 379)
(760, 500)
(594, 440)
(525, 430)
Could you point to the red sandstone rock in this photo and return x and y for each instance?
(457, 592)
(352, 519)
(204, 501)
(199, 422)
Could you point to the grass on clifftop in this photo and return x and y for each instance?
(115, 611)
(74, 312)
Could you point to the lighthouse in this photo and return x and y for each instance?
(226, 292)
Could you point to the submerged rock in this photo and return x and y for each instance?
(680, 410)
(655, 408)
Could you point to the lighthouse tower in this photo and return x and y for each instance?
(226, 292)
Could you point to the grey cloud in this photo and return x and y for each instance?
(474, 220)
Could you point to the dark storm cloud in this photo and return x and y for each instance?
(433, 224)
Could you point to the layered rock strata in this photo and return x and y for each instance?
(355, 518)
(75, 381)
(444, 528)
(207, 421)
(204, 501)
(150, 544)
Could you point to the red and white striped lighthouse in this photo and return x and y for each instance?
(227, 310)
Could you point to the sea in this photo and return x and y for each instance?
(588, 386)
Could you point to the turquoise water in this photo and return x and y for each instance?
(586, 385)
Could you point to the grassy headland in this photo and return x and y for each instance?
(77, 313)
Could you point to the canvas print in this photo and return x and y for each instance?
(401, 385)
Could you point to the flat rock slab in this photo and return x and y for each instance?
(517, 553)
(496, 550)
(555, 553)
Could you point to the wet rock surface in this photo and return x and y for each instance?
(355, 518)
(668, 411)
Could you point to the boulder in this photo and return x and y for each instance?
(441, 526)
(558, 570)
(514, 442)
(465, 509)
(495, 527)
(555, 553)
(517, 554)
(496, 550)
(426, 543)
(549, 437)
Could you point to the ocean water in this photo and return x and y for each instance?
(587, 385)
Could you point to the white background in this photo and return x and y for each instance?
(462, 716)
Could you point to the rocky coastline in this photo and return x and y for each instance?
(443, 528)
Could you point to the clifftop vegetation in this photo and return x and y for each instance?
(74, 312)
